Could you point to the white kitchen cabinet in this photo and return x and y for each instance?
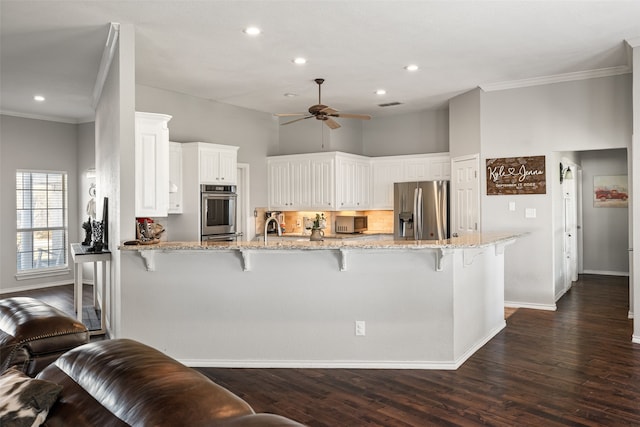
(151, 164)
(440, 168)
(289, 184)
(353, 182)
(218, 164)
(417, 168)
(341, 181)
(385, 172)
(390, 169)
(175, 178)
(323, 182)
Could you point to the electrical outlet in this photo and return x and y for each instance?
(360, 328)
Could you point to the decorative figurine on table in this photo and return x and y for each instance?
(86, 226)
(96, 227)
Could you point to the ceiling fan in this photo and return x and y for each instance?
(323, 112)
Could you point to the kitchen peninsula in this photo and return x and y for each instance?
(296, 303)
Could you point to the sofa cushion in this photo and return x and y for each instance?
(33, 334)
(25, 401)
(112, 382)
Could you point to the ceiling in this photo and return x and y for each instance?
(54, 48)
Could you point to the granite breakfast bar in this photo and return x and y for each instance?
(295, 303)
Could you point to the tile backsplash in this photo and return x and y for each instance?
(379, 221)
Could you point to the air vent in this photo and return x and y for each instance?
(390, 104)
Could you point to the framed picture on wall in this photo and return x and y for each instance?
(610, 191)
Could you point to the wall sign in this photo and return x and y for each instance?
(516, 175)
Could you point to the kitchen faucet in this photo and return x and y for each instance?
(266, 224)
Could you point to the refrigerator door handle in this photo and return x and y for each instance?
(417, 209)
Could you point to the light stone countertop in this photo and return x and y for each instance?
(477, 240)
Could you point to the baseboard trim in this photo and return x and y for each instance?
(635, 339)
(344, 364)
(515, 304)
(34, 286)
(606, 272)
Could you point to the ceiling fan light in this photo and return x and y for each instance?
(299, 61)
(411, 67)
(252, 31)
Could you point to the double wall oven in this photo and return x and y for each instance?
(218, 213)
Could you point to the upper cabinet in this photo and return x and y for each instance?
(353, 182)
(384, 172)
(289, 181)
(419, 167)
(175, 178)
(300, 182)
(341, 181)
(218, 164)
(151, 164)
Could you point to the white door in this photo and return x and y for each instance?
(465, 195)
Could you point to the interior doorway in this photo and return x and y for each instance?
(594, 230)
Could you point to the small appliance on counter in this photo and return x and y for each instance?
(351, 224)
(272, 227)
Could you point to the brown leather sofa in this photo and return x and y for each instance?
(33, 334)
(123, 382)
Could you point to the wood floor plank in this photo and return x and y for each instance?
(576, 366)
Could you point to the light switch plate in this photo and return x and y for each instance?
(530, 213)
(512, 206)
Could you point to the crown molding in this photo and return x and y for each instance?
(105, 62)
(557, 78)
(633, 42)
(40, 117)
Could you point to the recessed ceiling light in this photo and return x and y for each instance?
(299, 61)
(252, 31)
(290, 95)
(38, 98)
(411, 67)
(380, 92)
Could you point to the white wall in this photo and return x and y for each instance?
(115, 139)
(198, 119)
(464, 124)
(605, 230)
(573, 116)
(414, 133)
(37, 145)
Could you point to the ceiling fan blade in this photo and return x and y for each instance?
(352, 116)
(289, 114)
(331, 123)
(296, 120)
(328, 110)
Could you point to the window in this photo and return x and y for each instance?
(41, 210)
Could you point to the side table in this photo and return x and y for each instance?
(80, 255)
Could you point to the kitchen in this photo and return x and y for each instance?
(433, 279)
(514, 121)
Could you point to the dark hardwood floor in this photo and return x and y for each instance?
(576, 366)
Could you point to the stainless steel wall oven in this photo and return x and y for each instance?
(218, 212)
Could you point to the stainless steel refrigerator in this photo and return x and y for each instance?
(421, 210)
